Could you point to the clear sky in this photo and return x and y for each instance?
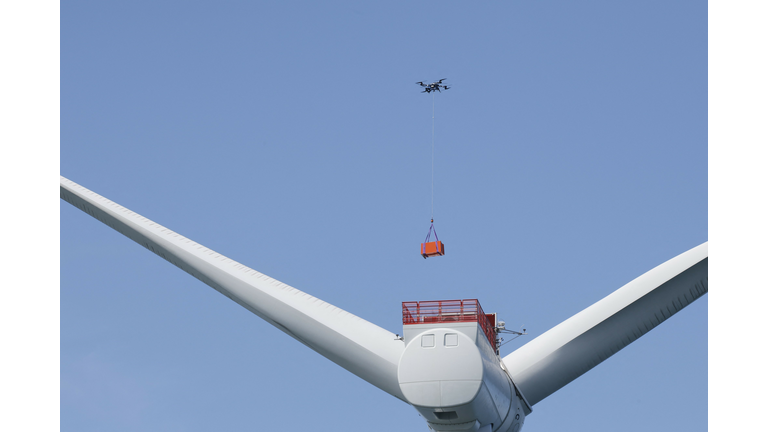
(570, 157)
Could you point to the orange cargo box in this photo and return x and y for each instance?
(436, 248)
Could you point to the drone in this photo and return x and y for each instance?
(435, 86)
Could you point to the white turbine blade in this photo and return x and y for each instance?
(557, 357)
(353, 343)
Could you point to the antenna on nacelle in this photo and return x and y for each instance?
(501, 328)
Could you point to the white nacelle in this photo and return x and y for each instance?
(451, 374)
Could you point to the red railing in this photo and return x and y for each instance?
(448, 311)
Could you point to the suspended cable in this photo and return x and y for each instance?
(429, 248)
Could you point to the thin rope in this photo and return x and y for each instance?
(433, 156)
(429, 233)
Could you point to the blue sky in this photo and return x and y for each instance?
(570, 157)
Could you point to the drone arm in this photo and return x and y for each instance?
(583, 341)
(355, 344)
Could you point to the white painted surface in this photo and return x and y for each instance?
(353, 343)
(464, 375)
(581, 342)
(459, 374)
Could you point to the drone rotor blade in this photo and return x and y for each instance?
(353, 343)
(573, 347)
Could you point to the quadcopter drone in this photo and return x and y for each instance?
(435, 86)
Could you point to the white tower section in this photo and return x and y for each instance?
(450, 370)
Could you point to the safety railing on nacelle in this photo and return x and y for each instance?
(448, 311)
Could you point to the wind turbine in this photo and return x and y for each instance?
(448, 371)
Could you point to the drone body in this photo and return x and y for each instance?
(435, 86)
